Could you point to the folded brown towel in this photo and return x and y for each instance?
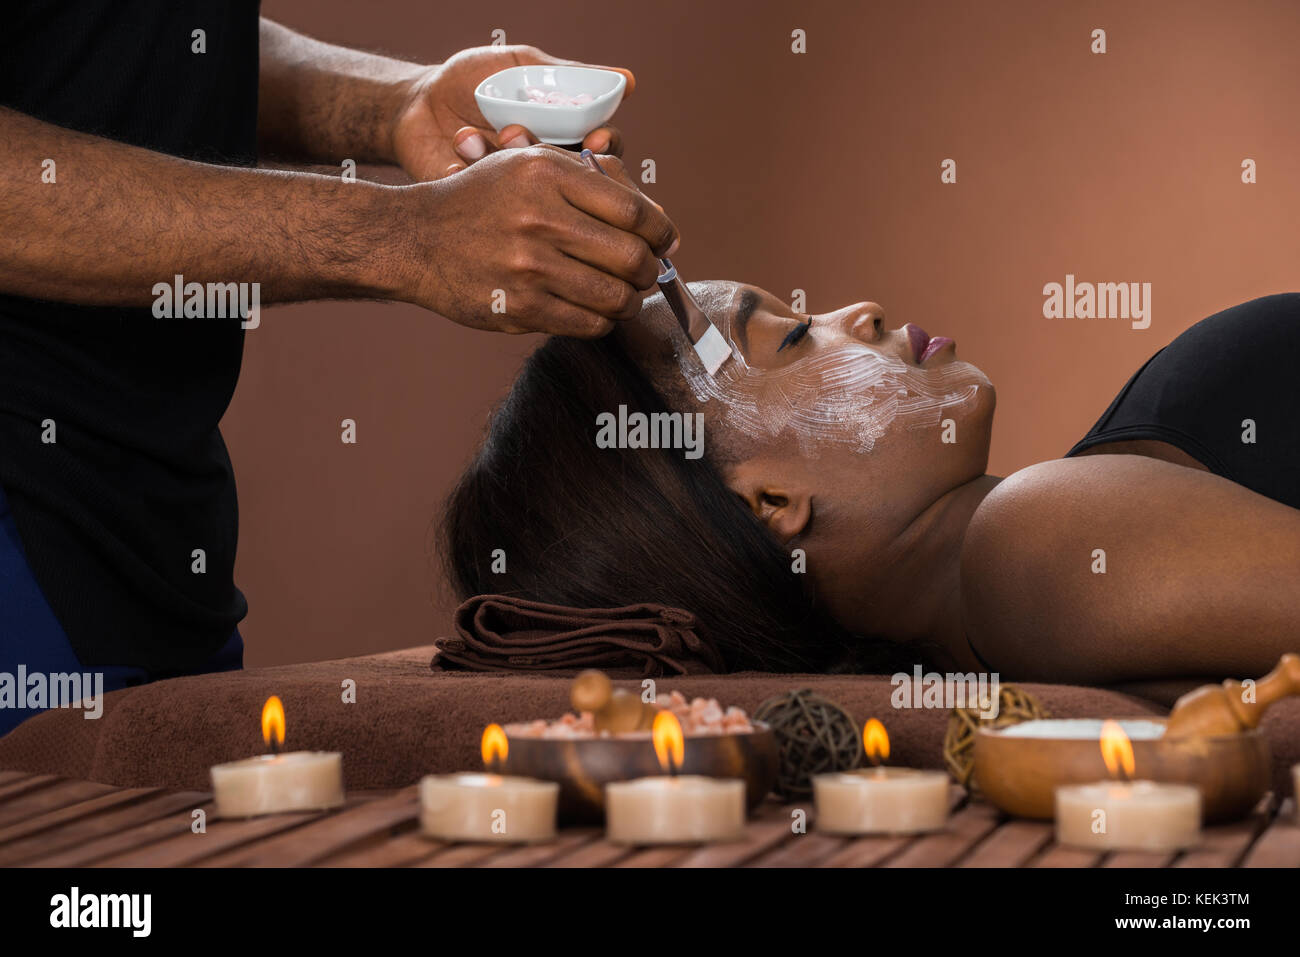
(502, 633)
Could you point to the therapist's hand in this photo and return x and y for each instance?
(531, 240)
(441, 130)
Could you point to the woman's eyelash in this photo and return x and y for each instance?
(795, 334)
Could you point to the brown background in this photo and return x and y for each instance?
(817, 171)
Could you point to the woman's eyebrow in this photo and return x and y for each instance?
(749, 302)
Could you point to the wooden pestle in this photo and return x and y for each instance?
(1221, 709)
(614, 709)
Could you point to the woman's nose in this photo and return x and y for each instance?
(865, 321)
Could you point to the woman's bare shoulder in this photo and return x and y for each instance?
(1044, 505)
(1102, 567)
(1077, 494)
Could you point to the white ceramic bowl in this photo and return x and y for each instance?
(503, 99)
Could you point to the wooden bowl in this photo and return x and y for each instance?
(1019, 774)
(583, 766)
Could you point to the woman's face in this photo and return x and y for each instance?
(839, 437)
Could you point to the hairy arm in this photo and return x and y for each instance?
(324, 103)
(119, 219)
(565, 249)
(1202, 576)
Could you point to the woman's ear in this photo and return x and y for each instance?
(784, 507)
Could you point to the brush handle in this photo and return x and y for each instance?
(710, 345)
(667, 271)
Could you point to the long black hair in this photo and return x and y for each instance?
(603, 527)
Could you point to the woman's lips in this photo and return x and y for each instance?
(933, 346)
(918, 339)
(922, 345)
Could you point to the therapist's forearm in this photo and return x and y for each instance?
(118, 219)
(325, 103)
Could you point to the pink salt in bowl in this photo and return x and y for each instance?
(573, 101)
(584, 765)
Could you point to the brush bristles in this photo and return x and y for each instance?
(713, 350)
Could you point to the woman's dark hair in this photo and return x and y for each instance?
(603, 527)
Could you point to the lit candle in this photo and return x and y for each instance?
(672, 808)
(880, 800)
(1127, 815)
(488, 806)
(274, 783)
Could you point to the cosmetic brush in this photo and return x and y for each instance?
(710, 344)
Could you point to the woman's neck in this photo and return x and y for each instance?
(927, 563)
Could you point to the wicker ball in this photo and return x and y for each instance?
(1014, 706)
(815, 736)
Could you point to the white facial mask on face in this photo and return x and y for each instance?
(851, 394)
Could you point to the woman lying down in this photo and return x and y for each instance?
(841, 519)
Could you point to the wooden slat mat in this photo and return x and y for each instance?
(47, 821)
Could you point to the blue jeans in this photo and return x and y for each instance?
(30, 634)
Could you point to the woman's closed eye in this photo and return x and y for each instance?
(795, 334)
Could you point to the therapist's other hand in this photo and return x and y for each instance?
(531, 240)
(441, 130)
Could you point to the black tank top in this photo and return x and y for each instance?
(1226, 392)
(137, 476)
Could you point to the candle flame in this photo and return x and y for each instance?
(875, 741)
(273, 721)
(1117, 750)
(495, 746)
(670, 743)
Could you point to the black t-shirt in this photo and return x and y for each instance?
(1226, 392)
(137, 478)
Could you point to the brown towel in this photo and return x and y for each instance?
(409, 721)
(501, 633)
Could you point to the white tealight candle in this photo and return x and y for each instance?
(275, 783)
(1134, 816)
(488, 807)
(881, 801)
(686, 809)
